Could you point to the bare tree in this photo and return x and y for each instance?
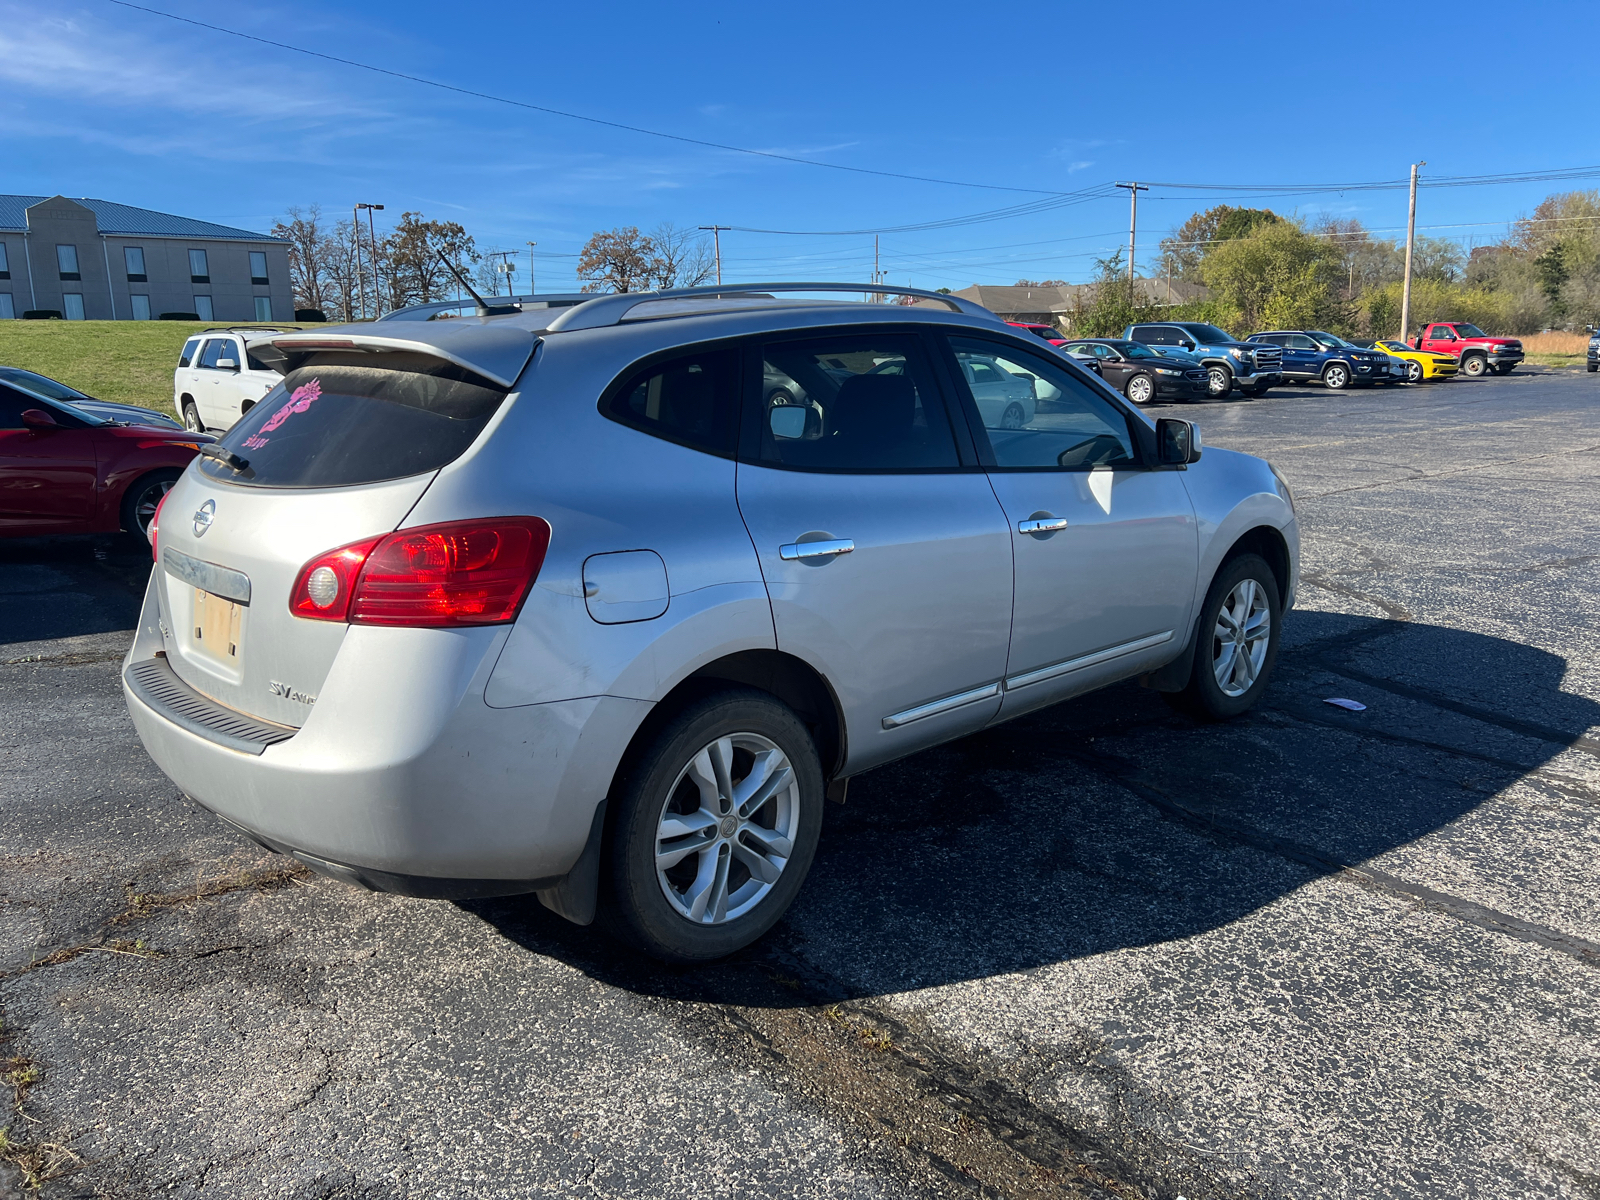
(496, 272)
(618, 260)
(346, 271)
(310, 248)
(682, 258)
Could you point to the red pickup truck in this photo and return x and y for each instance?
(1479, 353)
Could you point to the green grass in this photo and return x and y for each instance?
(127, 361)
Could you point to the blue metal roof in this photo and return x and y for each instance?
(126, 220)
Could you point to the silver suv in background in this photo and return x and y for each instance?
(601, 602)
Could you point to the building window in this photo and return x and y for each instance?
(202, 304)
(72, 302)
(67, 260)
(141, 307)
(258, 267)
(8, 310)
(263, 308)
(5, 263)
(133, 256)
(199, 272)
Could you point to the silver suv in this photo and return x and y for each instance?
(578, 602)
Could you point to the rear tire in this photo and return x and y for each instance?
(140, 501)
(1013, 417)
(1506, 370)
(1254, 393)
(191, 417)
(1336, 378)
(1233, 653)
(735, 872)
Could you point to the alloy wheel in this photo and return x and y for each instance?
(727, 828)
(1012, 417)
(144, 509)
(191, 418)
(1241, 637)
(1336, 377)
(1218, 381)
(1140, 389)
(1414, 372)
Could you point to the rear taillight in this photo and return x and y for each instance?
(458, 573)
(155, 520)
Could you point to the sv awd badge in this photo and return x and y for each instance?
(288, 693)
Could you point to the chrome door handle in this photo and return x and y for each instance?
(801, 550)
(1041, 525)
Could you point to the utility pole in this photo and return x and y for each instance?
(531, 245)
(716, 236)
(377, 295)
(877, 275)
(506, 269)
(1133, 225)
(1411, 237)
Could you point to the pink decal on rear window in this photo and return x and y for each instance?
(299, 400)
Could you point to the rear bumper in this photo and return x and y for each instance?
(421, 788)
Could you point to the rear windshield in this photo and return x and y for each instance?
(337, 421)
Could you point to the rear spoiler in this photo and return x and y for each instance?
(496, 353)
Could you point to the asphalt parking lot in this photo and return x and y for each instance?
(1098, 951)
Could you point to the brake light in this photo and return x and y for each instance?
(155, 520)
(452, 574)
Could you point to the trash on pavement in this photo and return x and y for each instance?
(1341, 702)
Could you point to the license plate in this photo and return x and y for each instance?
(216, 626)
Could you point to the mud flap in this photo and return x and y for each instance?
(578, 892)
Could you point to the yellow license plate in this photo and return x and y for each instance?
(216, 626)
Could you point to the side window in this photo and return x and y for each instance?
(853, 403)
(1044, 415)
(1155, 335)
(1299, 341)
(189, 349)
(1273, 339)
(216, 348)
(1442, 333)
(12, 404)
(693, 400)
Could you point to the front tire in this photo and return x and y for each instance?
(143, 496)
(1141, 389)
(715, 826)
(1236, 642)
(1413, 372)
(1336, 378)
(1219, 382)
(1475, 366)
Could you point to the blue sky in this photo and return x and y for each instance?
(106, 101)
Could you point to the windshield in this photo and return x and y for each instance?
(1465, 330)
(40, 385)
(341, 421)
(1393, 346)
(1207, 333)
(1135, 350)
(56, 406)
(1329, 339)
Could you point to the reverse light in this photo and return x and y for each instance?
(452, 574)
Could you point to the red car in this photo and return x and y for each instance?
(63, 470)
(1048, 332)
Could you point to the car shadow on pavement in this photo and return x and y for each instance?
(61, 587)
(1111, 821)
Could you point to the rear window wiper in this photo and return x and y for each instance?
(225, 456)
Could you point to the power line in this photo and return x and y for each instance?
(571, 116)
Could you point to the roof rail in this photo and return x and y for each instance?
(244, 328)
(611, 310)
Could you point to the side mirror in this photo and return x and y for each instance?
(1177, 442)
(787, 421)
(37, 418)
(1187, 345)
(228, 364)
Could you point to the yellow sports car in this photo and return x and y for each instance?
(1421, 364)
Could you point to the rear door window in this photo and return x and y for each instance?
(188, 353)
(341, 420)
(852, 403)
(1155, 335)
